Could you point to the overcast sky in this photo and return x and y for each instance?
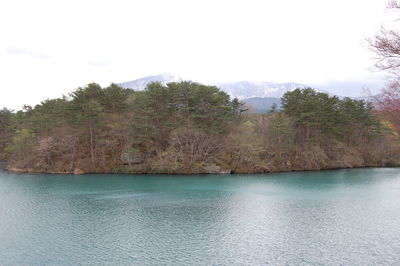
(48, 48)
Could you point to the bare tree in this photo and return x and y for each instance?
(387, 103)
(386, 45)
(394, 4)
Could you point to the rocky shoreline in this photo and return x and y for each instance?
(79, 171)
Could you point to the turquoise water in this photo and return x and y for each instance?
(343, 217)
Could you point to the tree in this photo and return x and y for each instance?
(274, 109)
(191, 145)
(49, 114)
(388, 103)
(356, 120)
(7, 124)
(86, 111)
(159, 111)
(188, 127)
(280, 132)
(6, 120)
(315, 113)
(212, 108)
(386, 45)
(142, 128)
(162, 108)
(92, 91)
(320, 118)
(114, 98)
(21, 142)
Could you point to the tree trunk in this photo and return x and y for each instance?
(91, 144)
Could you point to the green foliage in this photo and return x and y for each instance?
(320, 117)
(21, 142)
(280, 131)
(85, 105)
(6, 120)
(211, 108)
(184, 126)
(114, 98)
(160, 109)
(92, 91)
(7, 127)
(273, 110)
(49, 114)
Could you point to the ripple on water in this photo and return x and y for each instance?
(349, 217)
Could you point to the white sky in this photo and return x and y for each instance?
(49, 48)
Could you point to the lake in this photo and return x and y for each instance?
(340, 217)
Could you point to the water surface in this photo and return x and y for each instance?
(343, 217)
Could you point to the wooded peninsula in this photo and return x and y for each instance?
(190, 128)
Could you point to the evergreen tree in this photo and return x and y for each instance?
(274, 109)
(86, 110)
(114, 98)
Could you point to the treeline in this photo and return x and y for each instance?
(325, 119)
(187, 127)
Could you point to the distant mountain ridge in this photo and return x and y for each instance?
(259, 95)
(140, 84)
(249, 89)
(261, 104)
(241, 89)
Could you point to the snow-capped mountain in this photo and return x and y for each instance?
(248, 89)
(241, 89)
(140, 84)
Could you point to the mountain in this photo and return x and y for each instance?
(140, 84)
(248, 89)
(241, 89)
(261, 104)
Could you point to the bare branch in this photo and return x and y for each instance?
(393, 4)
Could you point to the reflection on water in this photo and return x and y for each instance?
(349, 217)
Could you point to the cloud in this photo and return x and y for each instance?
(356, 86)
(98, 63)
(14, 50)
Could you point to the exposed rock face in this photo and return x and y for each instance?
(78, 171)
(133, 161)
(132, 157)
(215, 169)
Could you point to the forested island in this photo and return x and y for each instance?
(190, 128)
